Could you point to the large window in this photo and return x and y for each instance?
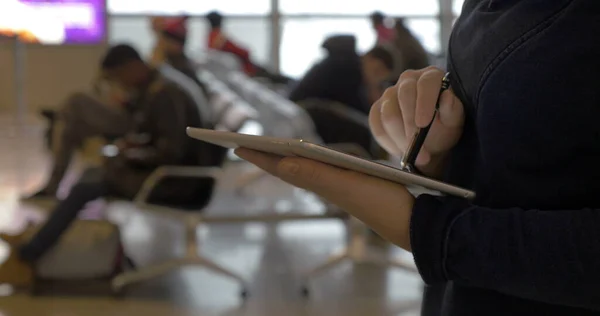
(305, 24)
(428, 33)
(250, 32)
(192, 7)
(457, 6)
(360, 7)
(302, 38)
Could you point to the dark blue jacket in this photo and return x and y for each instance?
(527, 72)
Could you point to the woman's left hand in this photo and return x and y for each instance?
(384, 206)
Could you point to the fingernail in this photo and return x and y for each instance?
(290, 168)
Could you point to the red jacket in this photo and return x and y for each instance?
(218, 41)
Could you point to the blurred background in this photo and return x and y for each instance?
(283, 35)
(276, 237)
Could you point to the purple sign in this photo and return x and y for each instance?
(82, 21)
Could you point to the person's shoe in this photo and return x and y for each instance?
(16, 272)
(12, 240)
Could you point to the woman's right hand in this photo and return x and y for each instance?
(409, 105)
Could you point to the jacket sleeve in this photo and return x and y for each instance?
(231, 47)
(167, 114)
(548, 256)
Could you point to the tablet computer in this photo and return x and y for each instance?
(416, 184)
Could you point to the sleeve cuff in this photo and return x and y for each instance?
(431, 219)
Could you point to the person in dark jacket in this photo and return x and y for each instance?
(343, 76)
(519, 127)
(161, 112)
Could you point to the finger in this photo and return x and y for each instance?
(411, 72)
(407, 99)
(423, 158)
(391, 118)
(428, 89)
(347, 189)
(267, 162)
(379, 132)
(451, 110)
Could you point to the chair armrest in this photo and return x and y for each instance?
(173, 172)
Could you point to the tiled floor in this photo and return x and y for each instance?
(271, 256)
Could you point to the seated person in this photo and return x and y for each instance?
(97, 113)
(385, 34)
(218, 40)
(170, 47)
(157, 23)
(162, 110)
(408, 51)
(344, 77)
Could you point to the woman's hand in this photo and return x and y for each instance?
(409, 105)
(384, 206)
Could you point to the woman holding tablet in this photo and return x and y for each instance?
(520, 127)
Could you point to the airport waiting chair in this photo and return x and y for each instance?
(230, 111)
(190, 215)
(280, 117)
(337, 123)
(347, 131)
(221, 64)
(233, 114)
(319, 123)
(288, 119)
(187, 211)
(284, 118)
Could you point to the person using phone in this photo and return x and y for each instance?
(518, 126)
(99, 112)
(162, 109)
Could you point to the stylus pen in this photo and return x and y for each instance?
(408, 161)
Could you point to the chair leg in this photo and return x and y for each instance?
(331, 262)
(194, 258)
(355, 251)
(216, 268)
(146, 273)
(191, 258)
